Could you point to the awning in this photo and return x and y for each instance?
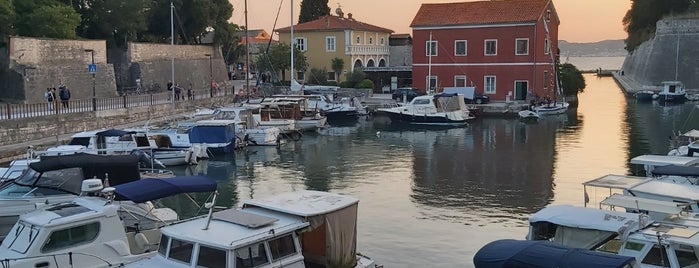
(543, 254)
(151, 189)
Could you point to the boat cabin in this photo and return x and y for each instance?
(649, 162)
(439, 103)
(653, 244)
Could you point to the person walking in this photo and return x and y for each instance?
(49, 97)
(178, 90)
(190, 96)
(64, 94)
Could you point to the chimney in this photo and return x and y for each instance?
(349, 16)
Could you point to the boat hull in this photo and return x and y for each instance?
(436, 119)
(678, 98)
(552, 109)
(644, 95)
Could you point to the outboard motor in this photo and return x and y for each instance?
(145, 160)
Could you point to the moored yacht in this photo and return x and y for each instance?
(247, 129)
(296, 229)
(440, 109)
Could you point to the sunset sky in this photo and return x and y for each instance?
(581, 20)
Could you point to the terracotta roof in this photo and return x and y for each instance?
(480, 12)
(334, 23)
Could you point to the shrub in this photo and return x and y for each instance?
(366, 83)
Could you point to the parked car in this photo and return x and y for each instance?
(478, 99)
(409, 92)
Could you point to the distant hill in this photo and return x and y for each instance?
(606, 48)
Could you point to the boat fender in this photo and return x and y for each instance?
(188, 156)
(141, 242)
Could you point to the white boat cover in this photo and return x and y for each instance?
(613, 181)
(632, 202)
(675, 191)
(663, 160)
(692, 134)
(591, 218)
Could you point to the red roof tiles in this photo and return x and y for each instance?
(334, 23)
(480, 12)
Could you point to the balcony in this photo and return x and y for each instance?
(367, 50)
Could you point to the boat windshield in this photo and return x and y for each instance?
(21, 237)
(84, 141)
(65, 180)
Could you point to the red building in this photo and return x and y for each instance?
(501, 47)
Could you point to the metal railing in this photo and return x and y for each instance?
(17, 111)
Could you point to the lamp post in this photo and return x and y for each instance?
(211, 76)
(94, 97)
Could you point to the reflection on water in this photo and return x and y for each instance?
(435, 196)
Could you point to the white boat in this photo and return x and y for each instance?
(669, 243)
(115, 141)
(440, 109)
(673, 91)
(247, 129)
(217, 136)
(552, 108)
(97, 229)
(296, 229)
(557, 105)
(347, 108)
(297, 108)
(528, 115)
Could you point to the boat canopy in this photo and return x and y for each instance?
(212, 131)
(544, 254)
(332, 233)
(692, 134)
(664, 160)
(151, 189)
(114, 133)
(676, 191)
(590, 218)
(674, 170)
(613, 181)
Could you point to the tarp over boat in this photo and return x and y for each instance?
(543, 254)
(152, 189)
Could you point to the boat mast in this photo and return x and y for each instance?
(172, 53)
(247, 53)
(429, 67)
(292, 43)
(554, 68)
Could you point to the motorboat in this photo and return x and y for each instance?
(528, 115)
(439, 109)
(116, 141)
(279, 115)
(56, 179)
(247, 129)
(295, 229)
(217, 136)
(552, 108)
(104, 227)
(672, 242)
(297, 108)
(645, 95)
(545, 254)
(673, 91)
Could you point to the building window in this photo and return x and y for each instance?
(548, 15)
(491, 47)
(431, 83)
(371, 40)
(330, 43)
(331, 76)
(460, 48)
(383, 41)
(431, 48)
(301, 44)
(460, 81)
(489, 83)
(546, 79)
(300, 75)
(547, 46)
(522, 46)
(359, 40)
(71, 237)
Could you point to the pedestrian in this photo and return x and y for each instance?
(190, 96)
(64, 94)
(177, 92)
(49, 97)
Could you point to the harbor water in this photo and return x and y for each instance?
(432, 197)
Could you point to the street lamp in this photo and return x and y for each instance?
(94, 100)
(211, 76)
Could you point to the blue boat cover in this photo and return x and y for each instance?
(674, 170)
(212, 134)
(543, 254)
(151, 189)
(445, 95)
(113, 133)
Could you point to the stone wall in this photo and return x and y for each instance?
(670, 55)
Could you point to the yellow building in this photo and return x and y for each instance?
(357, 43)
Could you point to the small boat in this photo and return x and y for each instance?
(217, 136)
(247, 128)
(104, 227)
(552, 108)
(440, 109)
(295, 229)
(544, 254)
(645, 95)
(528, 115)
(673, 91)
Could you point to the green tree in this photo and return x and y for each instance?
(313, 9)
(337, 65)
(639, 21)
(318, 76)
(278, 57)
(366, 83)
(7, 18)
(105, 19)
(54, 21)
(571, 79)
(354, 78)
(193, 20)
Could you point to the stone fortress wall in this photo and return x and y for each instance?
(671, 55)
(30, 65)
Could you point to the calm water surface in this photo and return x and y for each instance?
(433, 197)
